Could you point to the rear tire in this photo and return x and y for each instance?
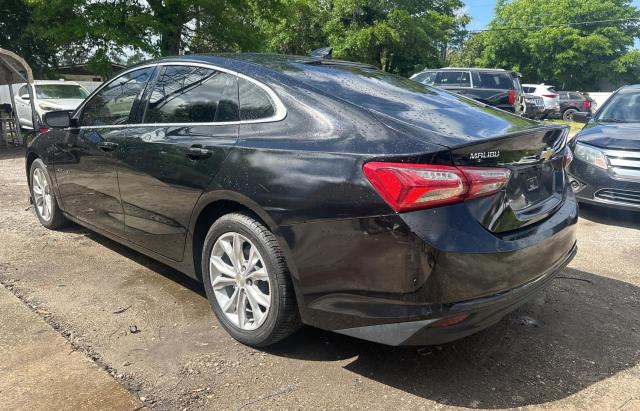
(44, 198)
(567, 115)
(247, 281)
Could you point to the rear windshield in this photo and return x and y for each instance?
(502, 81)
(60, 91)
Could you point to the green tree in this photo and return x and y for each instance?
(397, 35)
(550, 41)
(17, 35)
(298, 28)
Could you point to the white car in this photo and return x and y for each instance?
(50, 95)
(549, 95)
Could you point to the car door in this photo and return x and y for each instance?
(23, 106)
(85, 165)
(189, 125)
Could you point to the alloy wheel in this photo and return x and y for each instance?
(42, 194)
(240, 281)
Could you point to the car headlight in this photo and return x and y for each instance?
(46, 107)
(591, 155)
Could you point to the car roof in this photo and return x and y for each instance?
(476, 69)
(248, 62)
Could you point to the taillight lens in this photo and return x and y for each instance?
(586, 104)
(42, 130)
(415, 186)
(512, 97)
(550, 95)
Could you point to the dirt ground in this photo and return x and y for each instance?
(575, 346)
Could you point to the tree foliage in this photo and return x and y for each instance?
(550, 41)
(397, 35)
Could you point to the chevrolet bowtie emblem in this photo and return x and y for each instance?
(547, 154)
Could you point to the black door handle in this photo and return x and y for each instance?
(195, 152)
(108, 146)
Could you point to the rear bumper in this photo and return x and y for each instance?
(387, 279)
(480, 313)
(593, 185)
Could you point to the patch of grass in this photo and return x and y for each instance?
(573, 126)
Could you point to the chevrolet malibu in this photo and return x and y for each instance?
(315, 191)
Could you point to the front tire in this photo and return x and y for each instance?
(45, 202)
(247, 281)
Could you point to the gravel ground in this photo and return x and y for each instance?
(575, 346)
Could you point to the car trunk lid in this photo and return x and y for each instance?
(537, 183)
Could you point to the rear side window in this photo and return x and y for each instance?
(575, 96)
(184, 94)
(453, 78)
(502, 81)
(255, 103)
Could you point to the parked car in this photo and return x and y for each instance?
(549, 96)
(495, 87)
(533, 107)
(593, 106)
(307, 190)
(607, 151)
(49, 95)
(572, 102)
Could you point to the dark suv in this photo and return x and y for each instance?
(495, 87)
(572, 102)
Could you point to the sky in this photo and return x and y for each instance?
(481, 12)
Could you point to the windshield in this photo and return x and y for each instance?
(60, 91)
(623, 107)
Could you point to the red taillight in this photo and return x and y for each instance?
(550, 95)
(43, 130)
(586, 104)
(415, 186)
(512, 97)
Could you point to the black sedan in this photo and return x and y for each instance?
(607, 151)
(307, 190)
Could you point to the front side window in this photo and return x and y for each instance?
(184, 94)
(426, 77)
(112, 105)
(255, 103)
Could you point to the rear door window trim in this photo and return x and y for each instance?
(280, 109)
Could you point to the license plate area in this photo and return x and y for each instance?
(530, 186)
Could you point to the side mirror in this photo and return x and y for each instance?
(581, 117)
(57, 119)
(25, 96)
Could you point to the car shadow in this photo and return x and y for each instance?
(610, 216)
(581, 330)
(148, 262)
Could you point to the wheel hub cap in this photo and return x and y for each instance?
(42, 194)
(240, 281)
